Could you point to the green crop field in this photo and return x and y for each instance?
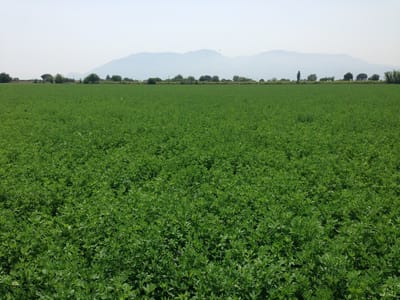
(199, 192)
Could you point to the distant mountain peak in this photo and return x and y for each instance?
(204, 52)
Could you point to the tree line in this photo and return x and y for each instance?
(390, 77)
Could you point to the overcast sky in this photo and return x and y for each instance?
(76, 36)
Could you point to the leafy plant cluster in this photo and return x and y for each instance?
(5, 78)
(199, 192)
(58, 78)
(392, 77)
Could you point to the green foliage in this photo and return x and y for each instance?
(348, 77)
(392, 77)
(324, 79)
(47, 78)
(237, 78)
(374, 77)
(153, 80)
(199, 192)
(178, 78)
(215, 78)
(5, 78)
(91, 79)
(205, 78)
(190, 80)
(116, 78)
(59, 78)
(362, 77)
(312, 77)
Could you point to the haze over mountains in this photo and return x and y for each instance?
(267, 65)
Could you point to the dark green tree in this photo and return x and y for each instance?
(298, 76)
(348, 76)
(91, 78)
(374, 77)
(215, 78)
(59, 78)
(116, 78)
(205, 78)
(47, 78)
(312, 77)
(4, 78)
(178, 78)
(153, 80)
(362, 77)
(392, 77)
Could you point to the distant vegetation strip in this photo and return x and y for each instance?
(390, 77)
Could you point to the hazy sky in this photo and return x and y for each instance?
(77, 35)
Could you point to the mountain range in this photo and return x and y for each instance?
(267, 65)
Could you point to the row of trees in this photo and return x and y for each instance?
(118, 78)
(390, 77)
(361, 77)
(94, 78)
(208, 78)
(90, 79)
(347, 77)
(58, 78)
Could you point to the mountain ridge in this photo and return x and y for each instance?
(267, 65)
